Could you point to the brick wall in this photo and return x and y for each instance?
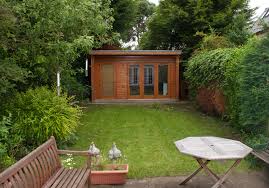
(211, 101)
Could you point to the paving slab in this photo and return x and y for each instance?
(237, 180)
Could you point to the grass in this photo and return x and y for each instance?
(146, 136)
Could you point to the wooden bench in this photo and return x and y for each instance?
(42, 168)
(263, 155)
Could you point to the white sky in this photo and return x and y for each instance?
(261, 4)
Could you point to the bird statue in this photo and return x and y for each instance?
(94, 150)
(114, 152)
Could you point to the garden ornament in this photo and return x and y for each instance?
(94, 150)
(114, 152)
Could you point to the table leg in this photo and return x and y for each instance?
(221, 180)
(196, 172)
(207, 170)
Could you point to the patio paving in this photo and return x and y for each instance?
(242, 180)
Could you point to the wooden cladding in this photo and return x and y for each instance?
(134, 77)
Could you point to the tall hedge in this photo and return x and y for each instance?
(254, 88)
(242, 74)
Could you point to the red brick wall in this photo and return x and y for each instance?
(211, 101)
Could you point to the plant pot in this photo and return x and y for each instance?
(112, 176)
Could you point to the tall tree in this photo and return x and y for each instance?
(49, 35)
(176, 22)
(130, 17)
(124, 17)
(144, 10)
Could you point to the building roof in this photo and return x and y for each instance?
(258, 26)
(135, 52)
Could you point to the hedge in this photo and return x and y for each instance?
(242, 74)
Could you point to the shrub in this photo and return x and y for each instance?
(242, 74)
(40, 113)
(207, 68)
(254, 88)
(10, 143)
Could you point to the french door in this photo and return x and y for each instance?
(148, 80)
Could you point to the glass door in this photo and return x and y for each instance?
(149, 80)
(134, 87)
(162, 80)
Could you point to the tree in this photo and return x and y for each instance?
(10, 73)
(50, 35)
(124, 12)
(130, 17)
(144, 10)
(238, 31)
(176, 22)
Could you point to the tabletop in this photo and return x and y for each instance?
(213, 148)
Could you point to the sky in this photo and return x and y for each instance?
(261, 4)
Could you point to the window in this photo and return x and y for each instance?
(163, 80)
(134, 80)
(149, 80)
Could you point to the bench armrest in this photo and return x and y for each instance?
(81, 153)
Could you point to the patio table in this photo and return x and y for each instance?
(206, 149)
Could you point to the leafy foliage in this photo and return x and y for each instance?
(40, 113)
(175, 23)
(254, 87)
(48, 36)
(242, 75)
(130, 17)
(238, 31)
(10, 143)
(207, 68)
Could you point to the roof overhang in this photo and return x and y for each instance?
(136, 52)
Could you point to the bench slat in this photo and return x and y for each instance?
(55, 153)
(27, 174)
(33, 176)
(13, 183)
(85, 178)
(25, 161)
(45, 165)
(75, 178)
(78, 181)
(57, 181)
(39, 172)
(65, 178)
(53, 178)
(18, 180)
(34, 166)
(262, 155)
(67, 182)
(23, 177)
(42, 168)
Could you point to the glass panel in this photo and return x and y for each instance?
(108, 80)
(134, 79)
(163, 80)
(149, 80)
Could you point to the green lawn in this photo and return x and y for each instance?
(146, 136)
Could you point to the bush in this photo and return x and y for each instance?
(254, 88)
(40, 113)
(74, 88)
(10, 143)
(242, 74)
(207, 68)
